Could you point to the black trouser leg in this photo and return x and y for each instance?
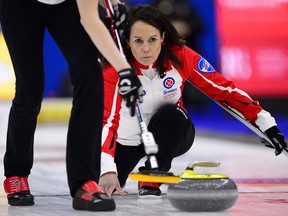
(85, 125)
(126, 158)
(173, 132)
(23, 29)
(23, 23)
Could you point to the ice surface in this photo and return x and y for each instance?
(262, 178)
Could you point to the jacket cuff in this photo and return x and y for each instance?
(265, 120)
(107, 164)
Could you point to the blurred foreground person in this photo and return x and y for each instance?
(23, 25)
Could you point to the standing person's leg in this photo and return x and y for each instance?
(23, 29)
(85, 125)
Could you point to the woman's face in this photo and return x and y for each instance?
(145, 42)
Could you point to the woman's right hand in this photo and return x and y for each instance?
(109, 182)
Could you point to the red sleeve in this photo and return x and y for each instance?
(112, 105)
(209, 81)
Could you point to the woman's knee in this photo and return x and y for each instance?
(169, 118)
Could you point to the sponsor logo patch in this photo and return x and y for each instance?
(204, 66)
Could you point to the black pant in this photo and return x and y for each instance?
(174, 134)
(23, 24)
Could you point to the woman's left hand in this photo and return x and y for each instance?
(277, 138)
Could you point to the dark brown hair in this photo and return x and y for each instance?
(154, 17)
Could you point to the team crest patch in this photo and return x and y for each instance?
(204, 66)
(170, 92)
(168, 82)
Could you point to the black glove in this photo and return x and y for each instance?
(120, 18)
(130, 88)
(277, 138)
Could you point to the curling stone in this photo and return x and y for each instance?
(202, 192)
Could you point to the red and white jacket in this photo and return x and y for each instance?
(119, 125)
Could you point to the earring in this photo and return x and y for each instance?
(128, 46)
(162, 43)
